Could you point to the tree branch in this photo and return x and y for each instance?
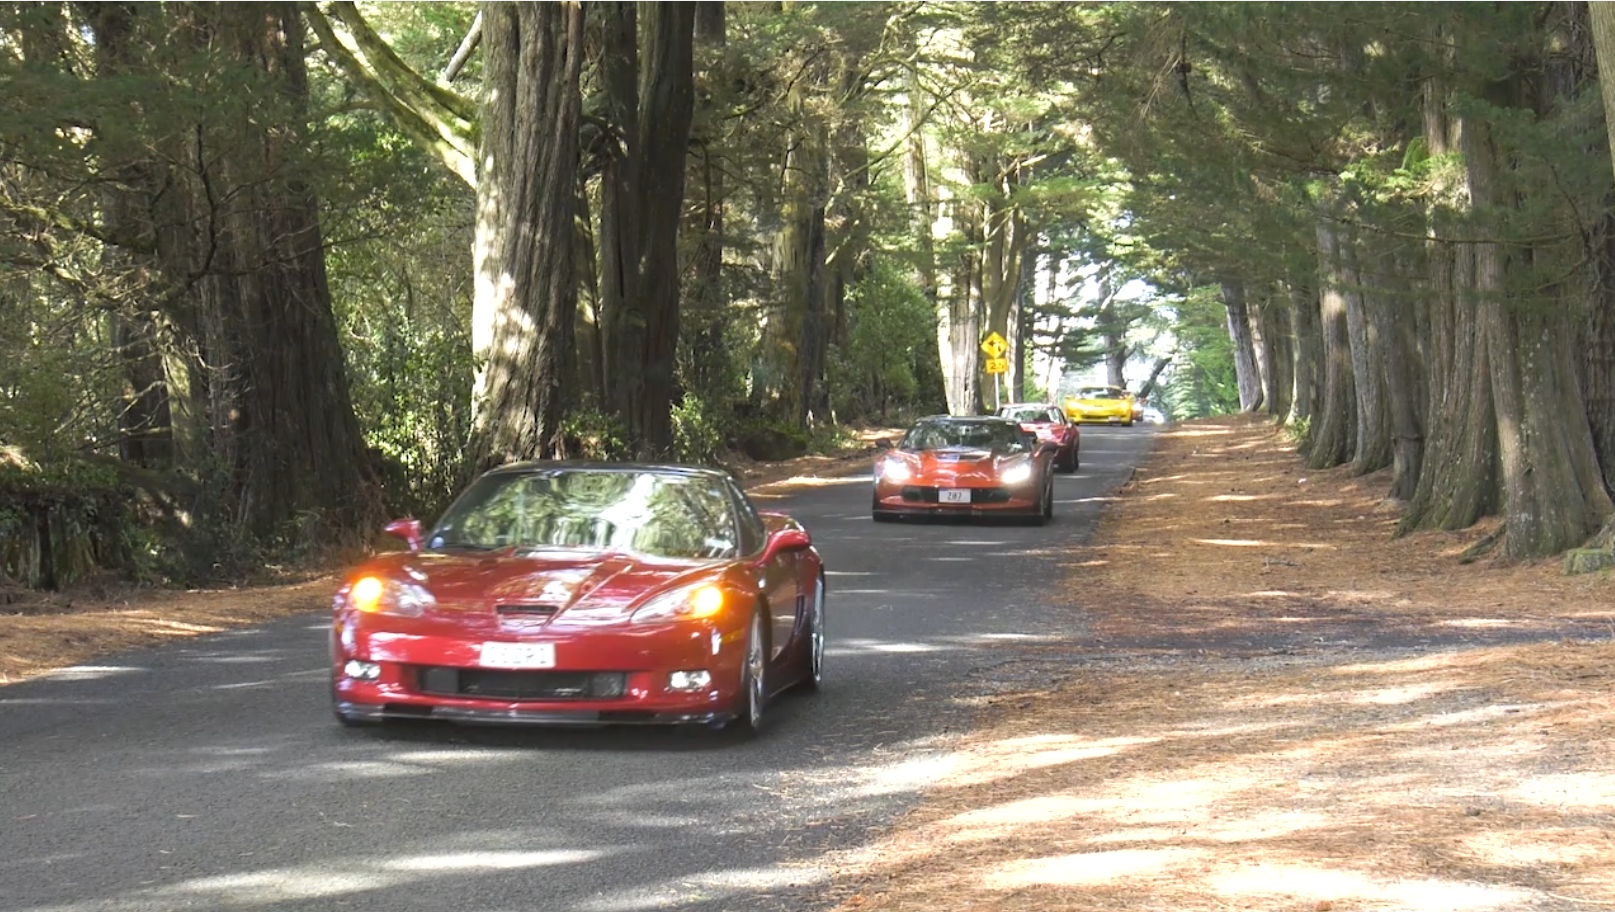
(440, 121)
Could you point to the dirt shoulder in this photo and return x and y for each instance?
(1282, 707)
(40, 632)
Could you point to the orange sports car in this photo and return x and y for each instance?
(983, 466)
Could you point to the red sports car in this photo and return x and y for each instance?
(558, 592)
(985, 466)
(1048, 422)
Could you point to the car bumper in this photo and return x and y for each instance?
(615, 676)
(924, 500)
(1101, 417)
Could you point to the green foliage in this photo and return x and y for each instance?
(889, 346)
(592, 434)
(1202, 381)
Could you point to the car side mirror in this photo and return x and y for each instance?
(883, 444)
(407, 529)
(783, 540)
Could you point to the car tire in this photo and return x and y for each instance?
(345, 720)
(753, 696)
(815, 639)
(1069, 463)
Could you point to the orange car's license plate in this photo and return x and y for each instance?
(953, 495)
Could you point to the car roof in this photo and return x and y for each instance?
(539, 466)
(1010, 405)
(966, 419)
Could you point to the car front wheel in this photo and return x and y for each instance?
(753, 694)
(815, 641)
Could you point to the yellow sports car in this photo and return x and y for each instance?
(1100, 405)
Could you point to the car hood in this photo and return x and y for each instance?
(954, 461)
(549, 582)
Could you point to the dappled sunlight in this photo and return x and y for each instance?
(1260, 543)
(1089, 868)
(1267, 789)
(1020, 755)
(853, 646)
(492, 861)
(1587, 792)
(92, 672)
(1238, 498)
(1298, 882)
(704, 885)
(172, 626)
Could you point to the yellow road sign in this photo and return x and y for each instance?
(995, 346)
(997, 365)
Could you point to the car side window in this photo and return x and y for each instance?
(750, 524)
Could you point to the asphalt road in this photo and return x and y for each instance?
(209, 775)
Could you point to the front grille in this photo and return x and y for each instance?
(522, 685)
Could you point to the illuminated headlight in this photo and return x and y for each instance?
(1017, 474)
(374, 595)
(362, 671)
(702, 600)
(894, 469)
(689, 680)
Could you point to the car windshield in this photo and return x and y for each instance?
(656, 514)
(1101, 392)
(1030, 414)
(981, 435)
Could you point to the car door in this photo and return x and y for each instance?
(778, 579)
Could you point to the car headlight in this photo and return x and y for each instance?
(1016, 474)
(374, 595)
(684, 603)
(894, 469)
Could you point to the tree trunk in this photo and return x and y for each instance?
(145, 423)
(651, 103)
(526, 299)
(1405, 393)
(1334, 425)
(1276, 356)
(1554, 496)
(1306, 346)
(705, 312)
(1239, 331)
(1368, 355)
(1458, 481)
(240, 230)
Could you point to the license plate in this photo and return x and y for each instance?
(953, 495)
(518, 655)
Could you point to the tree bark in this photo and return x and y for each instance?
(1239, 332)
(1306, 356)
(1373, 436)
(281, 425)
(651, 102)
(526, 298)
(1554, 496)
(1335, 423)
(1275, 355)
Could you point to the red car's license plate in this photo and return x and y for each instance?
(953, 495)
(517, 655)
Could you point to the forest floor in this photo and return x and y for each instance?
(1277, 706)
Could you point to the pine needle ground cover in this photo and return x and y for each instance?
(1281, 707)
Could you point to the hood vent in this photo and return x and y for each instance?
(532, 614)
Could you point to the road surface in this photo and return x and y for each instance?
(209, 775)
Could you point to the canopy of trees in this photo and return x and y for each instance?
(270, 272)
